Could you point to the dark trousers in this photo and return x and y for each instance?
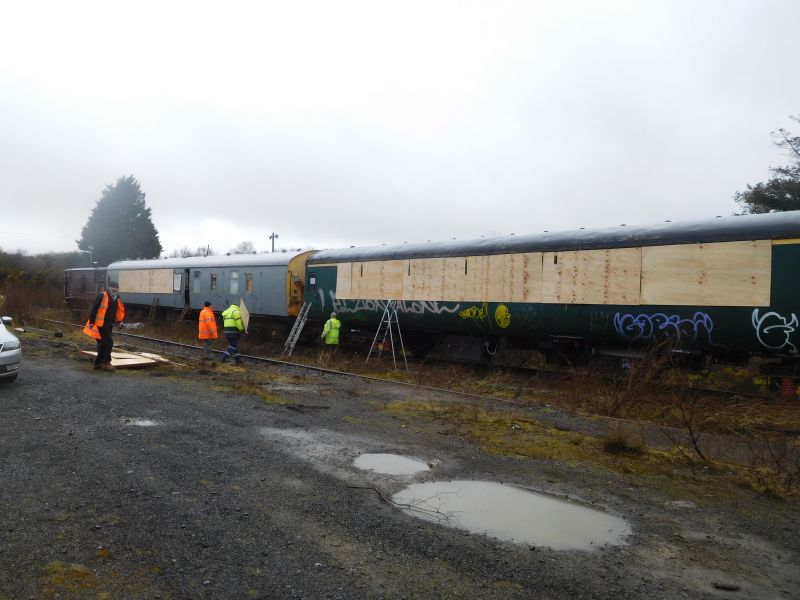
(104, 346)
(233, 346)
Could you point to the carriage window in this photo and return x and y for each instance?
(196, 283)
(82, 285)
(99, 276)
(234, 282)
(248, 285)
(213, 282)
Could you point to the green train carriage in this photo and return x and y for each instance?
(728, 286)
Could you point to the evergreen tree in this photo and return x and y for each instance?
(782, 192)
(120, 225)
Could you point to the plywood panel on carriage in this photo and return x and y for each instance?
(392, 279)
(718, 274)
(146, 281)
(515, 277)
(343, 278)
(423, 279)
(375, 280)
(476, 279)
(592, 276)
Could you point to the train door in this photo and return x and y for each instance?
(186, 290)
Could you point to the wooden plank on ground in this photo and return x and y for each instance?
(124, 360)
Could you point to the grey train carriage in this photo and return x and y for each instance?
(270, 284)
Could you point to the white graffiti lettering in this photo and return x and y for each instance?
(417, 307)
(644, 327)
(773, 330)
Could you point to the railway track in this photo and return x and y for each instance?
(192, 352)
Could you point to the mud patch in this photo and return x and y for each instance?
(513, 514)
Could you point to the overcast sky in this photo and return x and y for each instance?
(353, 123)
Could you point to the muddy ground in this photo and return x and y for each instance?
(177, 482)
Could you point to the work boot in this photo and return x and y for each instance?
(107, 367)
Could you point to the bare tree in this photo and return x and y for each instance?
(244, 248)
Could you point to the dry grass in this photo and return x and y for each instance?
(677, 472)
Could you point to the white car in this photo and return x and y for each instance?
(10, 353)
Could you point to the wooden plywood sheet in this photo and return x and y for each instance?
(719, 274)
(515, 277)
(146, 281)
(245, 314)
(425, 281)
(476, 279)
(453, 279)
(125, 360)
(370, 286)
(392, 279)
(343, 278)
(355, 280)
(592, 276)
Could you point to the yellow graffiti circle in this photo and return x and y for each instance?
(502, 316)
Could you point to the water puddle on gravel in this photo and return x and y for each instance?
(140, 422)
(513, 514)
(390, 464)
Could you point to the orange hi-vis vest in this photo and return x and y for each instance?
(207, 325)
(100, 318)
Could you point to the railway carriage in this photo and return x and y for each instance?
(82, 285)
(270, 284)
(724, 286)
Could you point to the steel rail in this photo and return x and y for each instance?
(283, 363)
(264, 360)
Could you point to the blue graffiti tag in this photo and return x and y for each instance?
(644, 327)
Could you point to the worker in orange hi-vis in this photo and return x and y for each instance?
(107, 310)
(207, 330)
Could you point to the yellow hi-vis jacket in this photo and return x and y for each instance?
(331, 331)
(232, 319)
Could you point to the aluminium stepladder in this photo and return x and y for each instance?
(388, 324)
(297, 329)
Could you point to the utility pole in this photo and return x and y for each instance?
(273, 237)
(89, 252)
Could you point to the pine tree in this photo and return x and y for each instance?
(782, 191)
(120, 226)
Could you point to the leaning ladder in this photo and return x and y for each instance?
(297, 329)
(388, 324)
(183, 312)
(153, 306)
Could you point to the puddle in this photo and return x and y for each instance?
(140, 422)
(390, 464)
(293, 434)
(513, 514)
